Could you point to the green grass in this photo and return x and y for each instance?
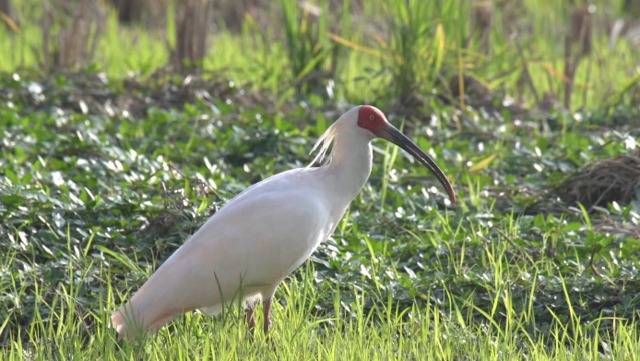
(91, 203)
(384, 332)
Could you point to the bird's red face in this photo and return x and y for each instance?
(373, 120)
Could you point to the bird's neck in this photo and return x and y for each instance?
(350, 165)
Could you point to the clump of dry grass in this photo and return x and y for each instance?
(7, 17)
(232, 13)
(577, 46)
(147, 12)
(603, 182)
(70, 33)
(192, 27)
(481, 23)
(596, 185)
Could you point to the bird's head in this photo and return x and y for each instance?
(372, 120)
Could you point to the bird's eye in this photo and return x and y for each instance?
(371, 117)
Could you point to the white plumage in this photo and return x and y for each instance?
(259, 237)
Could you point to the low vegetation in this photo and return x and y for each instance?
(107, 166)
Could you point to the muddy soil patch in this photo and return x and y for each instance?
(95, 93)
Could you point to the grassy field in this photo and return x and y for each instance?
(104, 175)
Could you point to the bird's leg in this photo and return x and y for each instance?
(266, 306)
(251, 320)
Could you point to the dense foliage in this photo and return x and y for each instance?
(120, 136)
(91, 203)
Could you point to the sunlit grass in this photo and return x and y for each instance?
(61, 329)
(402, 278)
(92, 204)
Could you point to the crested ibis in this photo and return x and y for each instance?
(259, 237)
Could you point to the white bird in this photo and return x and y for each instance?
(259, 237)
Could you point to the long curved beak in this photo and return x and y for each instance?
(396, 137)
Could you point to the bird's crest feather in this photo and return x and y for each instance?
(323, 144)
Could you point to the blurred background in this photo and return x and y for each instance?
(525, 53)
